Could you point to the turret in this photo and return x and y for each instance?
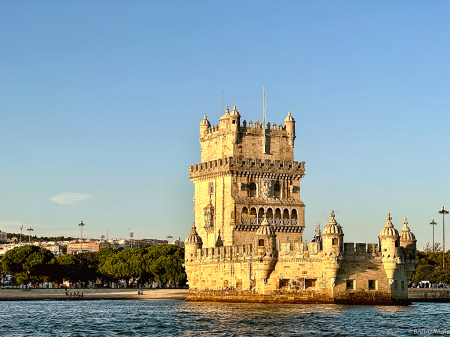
(290, 128)
(265, 243)
(390, 247)
(235, 120)
(204, 125)
(191, 244)
(333, 237)
(265, 239)
(333, 245)
(408, 242)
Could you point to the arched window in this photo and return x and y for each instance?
(294, 217)
(244, 215)
(277, 190)
(253, 215)
(252, 190)
(285, 216)
(269, 215)
(278, 217)
(260, 215)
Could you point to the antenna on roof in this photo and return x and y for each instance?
(264, 119)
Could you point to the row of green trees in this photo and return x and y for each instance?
(136, 266)
(430, 267)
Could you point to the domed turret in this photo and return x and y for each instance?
(265, 239)
(333, 237)
(234, 112)
(390, 246)
(265, 229)
(192, 243)
(406, 234)
(290, 128)
(204, 125)
(408, 242)
(389, 230)
(265, 242)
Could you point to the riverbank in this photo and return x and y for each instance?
(429, 294)
(93, 294)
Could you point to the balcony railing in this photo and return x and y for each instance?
(276, 222)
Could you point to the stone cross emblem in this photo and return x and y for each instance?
(265, 188)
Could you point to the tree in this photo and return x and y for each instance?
(167, 263)
(79, 268)
(29, 263)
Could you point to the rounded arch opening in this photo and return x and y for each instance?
(252, 190)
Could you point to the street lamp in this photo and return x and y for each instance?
(29, 235)
(21, 227)
(443, 212)
(131, 239)
(433, 224)
(81, 244)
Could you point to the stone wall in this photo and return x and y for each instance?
(429, 294)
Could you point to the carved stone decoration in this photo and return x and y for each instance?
(209, 217)
(265, 184)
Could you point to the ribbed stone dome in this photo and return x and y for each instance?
(332, 226)
(406, 234)
(205, 121)
(234, 112)
(389, 229)
(289, 117)
(265, 229)
(193, 237)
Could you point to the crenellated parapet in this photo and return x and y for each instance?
(267, 167)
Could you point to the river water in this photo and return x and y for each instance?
(179, 318)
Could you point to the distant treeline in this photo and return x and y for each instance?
(430, 265)
(136, 266)
(26, 237)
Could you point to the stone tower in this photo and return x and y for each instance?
(247, 172)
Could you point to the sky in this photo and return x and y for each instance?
(100, 103)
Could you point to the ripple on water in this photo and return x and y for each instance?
(168, 318)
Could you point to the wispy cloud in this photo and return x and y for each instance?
(13, 226)
(70, 198)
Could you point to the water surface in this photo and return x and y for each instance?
(170, 318)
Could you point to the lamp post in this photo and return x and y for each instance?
(81, 242)
(433, 224)
(443, 212)
(21, 227)
(29, 235)
(131, 239)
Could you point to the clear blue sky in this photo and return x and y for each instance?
(102, 100)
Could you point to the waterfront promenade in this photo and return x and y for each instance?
(93, 294)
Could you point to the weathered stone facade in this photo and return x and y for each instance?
(246, 243)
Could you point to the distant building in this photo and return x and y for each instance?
(77, 247)
(3, 237)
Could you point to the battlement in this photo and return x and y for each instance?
(300, 249)
(352, 249)
(269, 129)
(226, 252)
(231, 138)
(248, 164)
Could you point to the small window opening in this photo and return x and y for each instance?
(373, 285)
(261, 243)
(283, 283)
(350, 284)
(252, 188)
(310, 283)
(335, 242)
